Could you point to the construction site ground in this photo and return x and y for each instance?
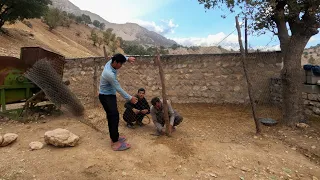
(212, 142)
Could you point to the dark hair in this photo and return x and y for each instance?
(119, 58)
(155, 100)
(141, 89)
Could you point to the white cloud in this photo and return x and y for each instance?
(121, 11)
(313, 38)
(220, 39)
(165, 27)
(268, 48)
(210, 40)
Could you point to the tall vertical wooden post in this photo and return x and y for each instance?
(164, 95)
(244, 64)
(95, 84)
(105, 53)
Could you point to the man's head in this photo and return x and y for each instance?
(156, 102)
(117, 61)
(141, 93)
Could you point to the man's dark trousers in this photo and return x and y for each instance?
(109, 103)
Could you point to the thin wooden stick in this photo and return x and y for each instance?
(95, 84)
(164, 95)
(244, 64)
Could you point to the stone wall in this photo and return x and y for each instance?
(214, 78)
(311, 100)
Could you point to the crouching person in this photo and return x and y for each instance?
(136, 112)
(157, 112)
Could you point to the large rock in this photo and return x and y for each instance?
(61, 138)
(36, 145)
(8, 139)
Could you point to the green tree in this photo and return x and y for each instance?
(72, 16)
(120, 40)
(175, 46)
(100, 41)
(53, 18)
(107, 36)
(94, 37)
(96, 23)
(294, 22)
(102, 26)
(113, 37)
(86, 19)
(79, 19)
(12, 10)
(65, 20)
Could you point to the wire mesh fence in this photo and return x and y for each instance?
(217, 79)
(46, 77)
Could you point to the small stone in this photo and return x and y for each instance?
(237, 88)
(28, 126)
(8, 139)
(213, 175)
(314, 178)
(313, 147)
(36, 145)
(164, 174)
(302, 125)
(255, 137)
(245, 169)
(124, 173)
(1, 139)
(91, 116)
(294, 148)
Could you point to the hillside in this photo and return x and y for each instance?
(311, 55)
(199, 50)
(128, 31)
(61, 40)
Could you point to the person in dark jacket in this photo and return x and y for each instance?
(136, 112)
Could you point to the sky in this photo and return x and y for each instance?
(185, 21)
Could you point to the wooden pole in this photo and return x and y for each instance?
(246, 35)
(244, 64)
(164, 95)
(95, 84)
(105, 53)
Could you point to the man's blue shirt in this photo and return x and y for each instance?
(109, 84)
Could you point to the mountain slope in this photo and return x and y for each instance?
(128, 31)
(70, 42)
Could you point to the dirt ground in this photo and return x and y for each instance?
(213, 142)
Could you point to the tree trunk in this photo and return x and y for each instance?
(292, 81)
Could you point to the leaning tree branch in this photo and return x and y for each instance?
(280, 20)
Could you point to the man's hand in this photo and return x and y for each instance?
(134, 100)
(136, 111)
(144, 111)
(131, 59)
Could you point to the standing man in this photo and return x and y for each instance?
(109, 85)
(136, 112)
(157, 114)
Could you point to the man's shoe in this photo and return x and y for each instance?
(131, 126)
(139, 123)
